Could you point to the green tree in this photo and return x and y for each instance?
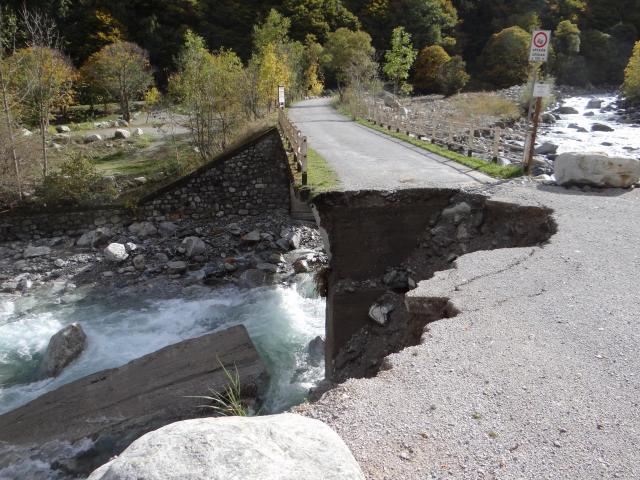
(318, 17)
(428, 67)
(453, 76)
(312, 74)
(399, 59)
(344, 49)
(567, 38)
(505, 58)
(428, 21)
(273, 31)
(631, 86)
(123, 71)
(208, 86)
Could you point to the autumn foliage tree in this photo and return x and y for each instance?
(122, 70)
(631, 87)
(208, 86)
(426, 77)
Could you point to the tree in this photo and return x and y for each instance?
(428, 21)
(453, 76)
(312, 75)
(8, 95)
(631, 86)
(273, 72)
(428, 66)
(344, 49)
(273, 31)
(318, 17)
(399, 59)
(208, 86)
(567, 38)
(123, 71)
(505, 58)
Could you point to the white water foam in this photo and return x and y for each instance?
(571, 140)
(281, 321)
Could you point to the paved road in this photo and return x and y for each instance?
(366, 159)
(537, 377)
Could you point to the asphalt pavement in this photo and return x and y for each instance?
(366, 159)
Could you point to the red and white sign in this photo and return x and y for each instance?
(540, 41)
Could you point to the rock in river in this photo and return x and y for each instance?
(64, 347)
(114, 407)
(599, 127)
(275, 447)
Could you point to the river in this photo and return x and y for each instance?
(572, 132)
(281, 321)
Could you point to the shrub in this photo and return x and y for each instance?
(453, 76)
(506, 57)
(631, 87)
(486, 104)
(427, 70)
(76, 182)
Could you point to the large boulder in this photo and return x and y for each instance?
(94, 237)
(546, 148)
(596, 169)
(64, 347)
(566, 111)
(122, 133)
(600, 127)
(142, 229)
(275, 447)
(193, 246)
(115, 252)
(595, 103)
(92, 138)
(31, 251)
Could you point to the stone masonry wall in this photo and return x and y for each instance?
(250, 179)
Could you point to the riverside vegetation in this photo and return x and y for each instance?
(211, 71)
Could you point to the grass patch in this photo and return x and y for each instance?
(491, 169)
(485, 104)
(320, 177)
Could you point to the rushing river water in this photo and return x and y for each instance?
(623, 141)
(281, 321)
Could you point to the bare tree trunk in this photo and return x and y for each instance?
(43, 137)
(12, 142)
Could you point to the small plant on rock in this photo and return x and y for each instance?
(229, 402)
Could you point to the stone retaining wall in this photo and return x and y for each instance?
(250, 179)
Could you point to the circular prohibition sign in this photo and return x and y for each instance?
(540, 40)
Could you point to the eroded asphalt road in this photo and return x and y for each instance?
(537, 377)
(366, 159)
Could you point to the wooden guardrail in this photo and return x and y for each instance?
(488, 143)
(297, 143)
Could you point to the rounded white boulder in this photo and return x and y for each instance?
(276, 447)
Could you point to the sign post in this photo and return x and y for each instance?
(538, 54)
(281, 98)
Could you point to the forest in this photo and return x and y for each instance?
(593, 45)
(218, 64)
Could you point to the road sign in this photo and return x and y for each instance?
(281, 99)
(542, 90)
(539, 51)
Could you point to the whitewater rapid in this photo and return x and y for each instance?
(281, 321)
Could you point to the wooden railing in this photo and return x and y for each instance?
(297, 143)
(488, 143)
